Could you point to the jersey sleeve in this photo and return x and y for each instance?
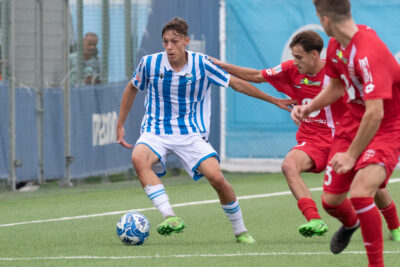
(375, 77)
(279, 77)
(139, 78)
(215, 74)
(330, 68)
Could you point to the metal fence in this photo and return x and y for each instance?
(60, 91)
(56, 123)
(44, 60)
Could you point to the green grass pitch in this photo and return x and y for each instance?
(207, 241)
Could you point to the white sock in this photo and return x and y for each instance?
(159, 197)
(234, 214)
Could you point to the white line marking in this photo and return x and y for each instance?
(392, 180)
(188, 256)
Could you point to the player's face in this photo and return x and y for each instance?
(302, 60)
(325, 24)
(175, 46)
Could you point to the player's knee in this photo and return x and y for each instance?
(218, 181)
(288, 167)
(139, 163)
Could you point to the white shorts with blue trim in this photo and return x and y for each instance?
(190, 149)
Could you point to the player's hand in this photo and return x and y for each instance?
(120, 138)
(217, 62)
(298, 114)
(286, 104)
(342, 162)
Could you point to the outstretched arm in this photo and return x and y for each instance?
(250, 90)
(127, 100)
(247, 74)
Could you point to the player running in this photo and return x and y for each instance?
(302, 79)
(366, 148)
(176, 120)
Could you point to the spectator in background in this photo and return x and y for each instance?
(91, 62)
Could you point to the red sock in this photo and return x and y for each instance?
(344, 213)
(390, 214)
(308, 208)
(371, 228)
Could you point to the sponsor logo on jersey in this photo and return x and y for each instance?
(319, 121)
(365, 70)
(274, 70)
(137, 78)
(309, 82)
(339, 54)
(297, 86)
(334, 60)
(369, 88)
(278, 69)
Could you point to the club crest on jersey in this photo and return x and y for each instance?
(370, 153)
(309, 82)
(189, 77)
(339, 54)
(161, 76)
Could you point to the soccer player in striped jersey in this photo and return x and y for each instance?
(366, 148)
(302, 79)
(177, 120)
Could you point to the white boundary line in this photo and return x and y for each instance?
(392, 180)
(188, 256)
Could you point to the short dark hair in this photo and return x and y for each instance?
(337, 10)
(178, 25)
(91, 34)
(309, 40)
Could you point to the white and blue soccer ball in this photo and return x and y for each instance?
(133, 229)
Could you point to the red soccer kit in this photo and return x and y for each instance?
(368, 70)
(315, 133)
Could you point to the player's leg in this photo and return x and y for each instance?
(335, 202)
(210, 168)
(296, 162)
(388, 209)
(339, 206)
(362, 193)
(143, 158)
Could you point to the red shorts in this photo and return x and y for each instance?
(380, 151)
(317, 146)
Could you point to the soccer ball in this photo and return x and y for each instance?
(133, 229)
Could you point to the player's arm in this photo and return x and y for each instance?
(247, 74)
(370, 123)
(127, 100)
(246, 88)
(329, 95)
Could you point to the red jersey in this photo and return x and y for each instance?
(368, 70)
(303, 88)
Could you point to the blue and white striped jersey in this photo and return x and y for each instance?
(177, 102)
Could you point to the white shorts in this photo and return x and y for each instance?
(190, 149)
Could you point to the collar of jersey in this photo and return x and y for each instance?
(185, 70)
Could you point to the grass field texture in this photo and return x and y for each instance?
(269, 210)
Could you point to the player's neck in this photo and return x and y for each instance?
(180, 63)
(317, 67)
(345, 31)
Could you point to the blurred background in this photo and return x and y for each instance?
(65, 64)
